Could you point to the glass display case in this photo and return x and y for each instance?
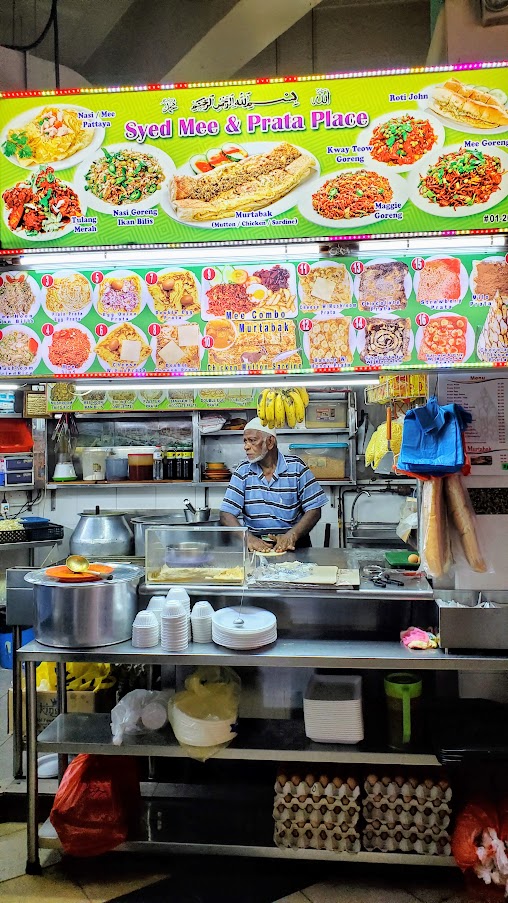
(202, 555)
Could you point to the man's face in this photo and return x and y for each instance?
(256, 445)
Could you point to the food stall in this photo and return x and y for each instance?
(178, 258)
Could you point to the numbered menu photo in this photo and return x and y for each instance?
(295, 316)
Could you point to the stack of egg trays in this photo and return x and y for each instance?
(407, 815)
(320, 814)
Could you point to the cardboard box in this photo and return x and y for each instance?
(47, 705)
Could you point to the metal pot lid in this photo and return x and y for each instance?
(122, 573)
(154, 519)
(102, 514)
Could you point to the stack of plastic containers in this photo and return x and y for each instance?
(332, 708)
(145, 630)
(407, 815)
(174, 627)
(201, 621)
(317, 814)
(179, 594)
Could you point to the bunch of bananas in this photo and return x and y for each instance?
(275, 407)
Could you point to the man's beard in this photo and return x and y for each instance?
(263, 454)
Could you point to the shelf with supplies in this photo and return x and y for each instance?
(404, 387)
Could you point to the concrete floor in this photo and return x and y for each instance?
(101, 880)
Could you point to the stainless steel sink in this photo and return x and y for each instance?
(382, 536)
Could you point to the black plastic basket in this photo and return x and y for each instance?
(39, 532)
(13, 536)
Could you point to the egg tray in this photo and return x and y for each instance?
(428, 835)
(406, 819)
(309, 804)
(315, 818)
(337, 789)
(386, 807)
(407, 790)
(385, 844)
(309, 838)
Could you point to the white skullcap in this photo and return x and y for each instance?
(256, 424)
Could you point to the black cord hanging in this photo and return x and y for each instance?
(52, 21)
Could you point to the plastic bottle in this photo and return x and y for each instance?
(158, 466)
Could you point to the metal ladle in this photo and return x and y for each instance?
(78, 564)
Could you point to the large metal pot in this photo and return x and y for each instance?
(85, 615)
(101, 533)
(140, 524)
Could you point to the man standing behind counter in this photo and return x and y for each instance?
(276, 494)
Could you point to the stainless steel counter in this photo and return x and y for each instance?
(414, 588)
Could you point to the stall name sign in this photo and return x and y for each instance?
(346, 156)
(299, 316)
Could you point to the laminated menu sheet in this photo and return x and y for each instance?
(486, 397)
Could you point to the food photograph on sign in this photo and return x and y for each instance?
(374, 155)
(295, 316)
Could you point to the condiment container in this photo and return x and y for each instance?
(403, 699)
(326, 414)
(140, 466)
(158, 464)
(326, 460)
(94, 464)
(116, 468)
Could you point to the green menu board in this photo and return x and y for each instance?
(307, 316)
(361, 155)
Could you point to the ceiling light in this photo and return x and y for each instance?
(231, 382)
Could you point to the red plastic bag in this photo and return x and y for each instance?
(469, 827)
(97, 804)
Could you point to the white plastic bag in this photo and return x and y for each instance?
(138, 712)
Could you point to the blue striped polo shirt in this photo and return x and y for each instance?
(277, 505)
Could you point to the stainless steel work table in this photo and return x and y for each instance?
(304, 617)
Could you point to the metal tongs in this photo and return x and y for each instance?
(379, 576)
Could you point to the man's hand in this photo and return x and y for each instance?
(285, 542)
(256, 544)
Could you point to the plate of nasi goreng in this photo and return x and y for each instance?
(59, 134)
(238, 179)
(41, 206)
(123, 176)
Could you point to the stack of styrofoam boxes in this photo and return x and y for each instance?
(317, 814)
(407, 815)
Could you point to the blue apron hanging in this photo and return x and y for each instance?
(432, 439)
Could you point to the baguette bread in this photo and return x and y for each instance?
(434, 528)
(467, 104)
(463, 519)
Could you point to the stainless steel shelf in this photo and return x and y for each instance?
(343, 430)
(285, 653)
(271, 740)
(106, 484)
(30, 545)
(48, 839)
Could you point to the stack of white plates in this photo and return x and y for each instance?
(244, 627)
(332, 709)
(145, 630)
(174, 627)
(200, 731)
(201, 620)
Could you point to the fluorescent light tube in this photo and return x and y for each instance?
(253, 382)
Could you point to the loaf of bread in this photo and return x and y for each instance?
(435, 532)
(463, 518)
